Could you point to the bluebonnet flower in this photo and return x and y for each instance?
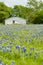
(30, 53)
(37, 53)
(0, 41)
(10, 43)
(35, 56)
(18, 47)
(24, 49)
(0, 34)
(13, 63)
(4, 49)
(0, 48)
(30, 41)
(1, 63)
(9, 47)
(26, 53)
(34, 36)
(31, 48)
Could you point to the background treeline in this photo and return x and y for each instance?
(33, 12)
(5, 12)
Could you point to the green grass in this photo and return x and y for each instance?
(27, 36)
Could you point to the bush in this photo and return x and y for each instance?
(39, 18)
(35, 17)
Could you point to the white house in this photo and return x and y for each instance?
(15, 20)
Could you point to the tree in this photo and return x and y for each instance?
(21, 11)
(39, 18)
(35, 4)
(36, 15)
(5, 12)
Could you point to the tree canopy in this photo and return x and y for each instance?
(36, 16)
(33, 13)
(21, 11)
(35, 4)
(5, 12)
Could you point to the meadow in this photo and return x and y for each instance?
(21, 44)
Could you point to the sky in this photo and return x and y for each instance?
(11, 3)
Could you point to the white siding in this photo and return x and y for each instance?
(16, 19)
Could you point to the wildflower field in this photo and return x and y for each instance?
(21, 44)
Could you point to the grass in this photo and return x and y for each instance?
(21, 44)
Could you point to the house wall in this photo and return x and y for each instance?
(22, 22)
(8, 22)
(17, 21)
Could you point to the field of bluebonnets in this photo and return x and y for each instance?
(21, 45)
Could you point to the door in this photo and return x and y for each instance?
(13, 21)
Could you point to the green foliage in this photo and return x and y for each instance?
(5, 12)
(36, 16)
(39, 18)
(36, 5)
(33, 13)
(14, 42)
(21, 11)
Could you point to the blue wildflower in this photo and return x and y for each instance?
(30, 53)
(26, 53)
(18, 47)
(13, 63)
(24, 49)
